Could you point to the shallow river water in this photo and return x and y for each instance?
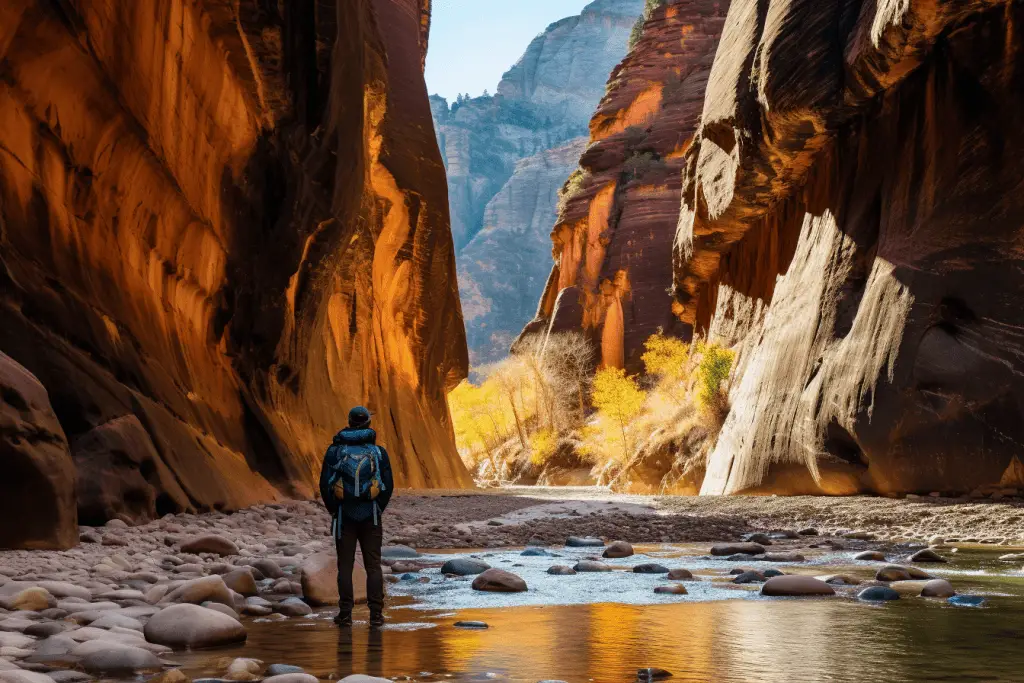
(604, 627)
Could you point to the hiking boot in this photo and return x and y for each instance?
(377, 620)
(343, 620)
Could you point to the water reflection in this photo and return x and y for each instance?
(774, 641)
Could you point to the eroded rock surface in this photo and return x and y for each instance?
(221, 228)
(507, 155)
(613, 237)
(850, 206)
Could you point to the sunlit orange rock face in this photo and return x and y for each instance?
(613, 239)
(221, 225)
(852, 224)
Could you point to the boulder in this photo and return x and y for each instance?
(293, 607)
(192, 626)
(895, 572)
(319, 578)
(33, 599)
(878, 594)
(870, 556)
(223, 609)
(241, 581)
(499, 581)
(111, 619)
(618, 549)
(796, 585)
(672, 589)
(268, 568)
(37, 490)
(591, 566)
(205, 589)
(398, 552)
(749, 577)
(927, 555)
(535, 552)
(680, 574)
(120, 659)
(725, 549)
(299, 677)
(650, 568)
(463, 566)
(583, 542)
(561, 570)
(937, 588)
(210, 543)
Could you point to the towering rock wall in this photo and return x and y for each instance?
(851, 222)
(221, 225)
(507, 154)
(613, 237)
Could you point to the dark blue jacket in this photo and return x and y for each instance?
(355, 510)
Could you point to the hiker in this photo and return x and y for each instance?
(356, 485)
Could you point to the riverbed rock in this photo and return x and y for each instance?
(112, 619)
(680, 574)
(499, 581)
(354, 678)
(966, 600)
(878, 594)
(279, 669)
(895, 572)
(841, 580)
(927, 555)
(535, 552)
(583, 542)
(464, 566)
(320, 579)
(117, 659)
(33, 599)
(937, 588)
(399, 552)
(618, 549)
(591, 566)
(671, 589)
(241, 581)
(759, 537)
(870, 556)
(192, 626)
(37, 491)
(650, 568)
(561, 570)
(293, 607)
(210, 543)
(725, 549)
(23, 676)
(198, 591)
(749, 577)
(796, 585)
(782, 557)
(308, 678)
(474, 625)
(269, 568)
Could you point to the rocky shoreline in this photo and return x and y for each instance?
(126, 598)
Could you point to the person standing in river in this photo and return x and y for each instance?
(356, 484)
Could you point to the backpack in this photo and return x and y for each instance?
(356, 473)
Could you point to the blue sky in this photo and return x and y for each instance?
(473, 42)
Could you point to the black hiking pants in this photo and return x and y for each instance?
(370, 536)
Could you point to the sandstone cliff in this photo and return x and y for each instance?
(506, 155)
(851, 223)
(613, 236)
(221, 224)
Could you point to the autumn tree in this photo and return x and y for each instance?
(618, 399)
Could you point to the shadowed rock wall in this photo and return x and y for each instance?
(851, 221)
(221, 225)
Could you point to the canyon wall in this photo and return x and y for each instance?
(852, 224)
(506, 156)
(221, 225)
(612, 240)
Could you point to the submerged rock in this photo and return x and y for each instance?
(471, 624)
(591, 566)
(966, 600)
(583, 542)
(672, 589)
(650, 568)
(927, 555)
(561, 570)
(870, 556)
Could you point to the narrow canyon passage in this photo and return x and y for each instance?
(691, 329)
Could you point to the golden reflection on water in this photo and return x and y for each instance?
(773, 641)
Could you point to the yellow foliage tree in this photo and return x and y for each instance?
(618, 399)
(714, 368)
(665, 356)
(543, 445)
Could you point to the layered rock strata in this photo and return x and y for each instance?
(220, 226)
(851, 222)
(612, 240)
(507, 154)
